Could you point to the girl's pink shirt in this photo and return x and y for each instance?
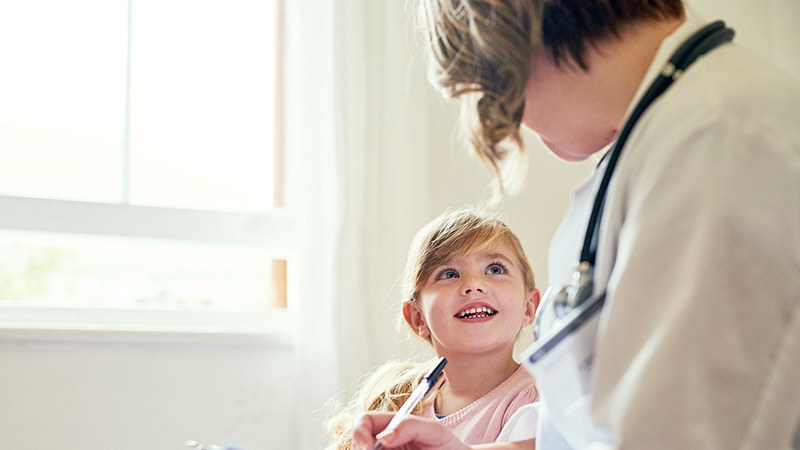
(480, 422)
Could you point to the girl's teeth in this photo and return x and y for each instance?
(479, 312)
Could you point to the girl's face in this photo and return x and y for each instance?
(474, 303)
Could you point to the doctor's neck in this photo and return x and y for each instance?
(618, 65)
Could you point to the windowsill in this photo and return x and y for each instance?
(271, 329)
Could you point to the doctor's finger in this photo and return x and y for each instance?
(366, 426)
(422, 434)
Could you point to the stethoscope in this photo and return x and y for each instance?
(581, 287)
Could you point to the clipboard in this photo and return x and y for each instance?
(562, 362)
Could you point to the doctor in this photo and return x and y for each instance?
(698, 251)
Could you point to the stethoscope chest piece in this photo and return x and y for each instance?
(575, 293)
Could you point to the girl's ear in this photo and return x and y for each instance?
(415, 319)
(531, 305)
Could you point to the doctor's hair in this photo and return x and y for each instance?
(463, 231)
(480, 51)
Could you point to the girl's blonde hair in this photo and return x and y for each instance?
(459, 232)
(386, 389)
(480, 50)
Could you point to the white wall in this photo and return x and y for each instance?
(100, 391)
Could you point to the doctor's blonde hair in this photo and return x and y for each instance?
(480, 51)
(459, 232)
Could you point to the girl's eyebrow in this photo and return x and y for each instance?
(485, 256)
(498, 256)
(446, 262)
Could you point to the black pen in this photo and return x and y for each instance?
(427, 383)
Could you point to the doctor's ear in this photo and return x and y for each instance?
(415, 319)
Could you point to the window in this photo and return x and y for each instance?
(141, 165)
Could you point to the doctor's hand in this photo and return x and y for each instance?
(413, 432)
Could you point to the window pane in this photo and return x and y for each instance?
(202, 88)
(50, 269)
(62, 98)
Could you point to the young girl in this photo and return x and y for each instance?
(468, 290)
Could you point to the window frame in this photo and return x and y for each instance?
(274, 231)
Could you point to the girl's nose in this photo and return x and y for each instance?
(473, 285)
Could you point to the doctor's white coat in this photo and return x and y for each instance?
(699, 340)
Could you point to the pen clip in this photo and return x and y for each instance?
(433, 376)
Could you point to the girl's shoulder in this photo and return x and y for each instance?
(518, 389)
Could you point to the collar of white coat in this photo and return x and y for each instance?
(694, 21)
(692, 24)
(589, 185)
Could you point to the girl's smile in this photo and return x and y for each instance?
(476, 312)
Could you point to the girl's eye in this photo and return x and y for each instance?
(447, 273)
(496, 269)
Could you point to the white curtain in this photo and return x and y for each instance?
(310, 107)
(384, 96)
(359, 106)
